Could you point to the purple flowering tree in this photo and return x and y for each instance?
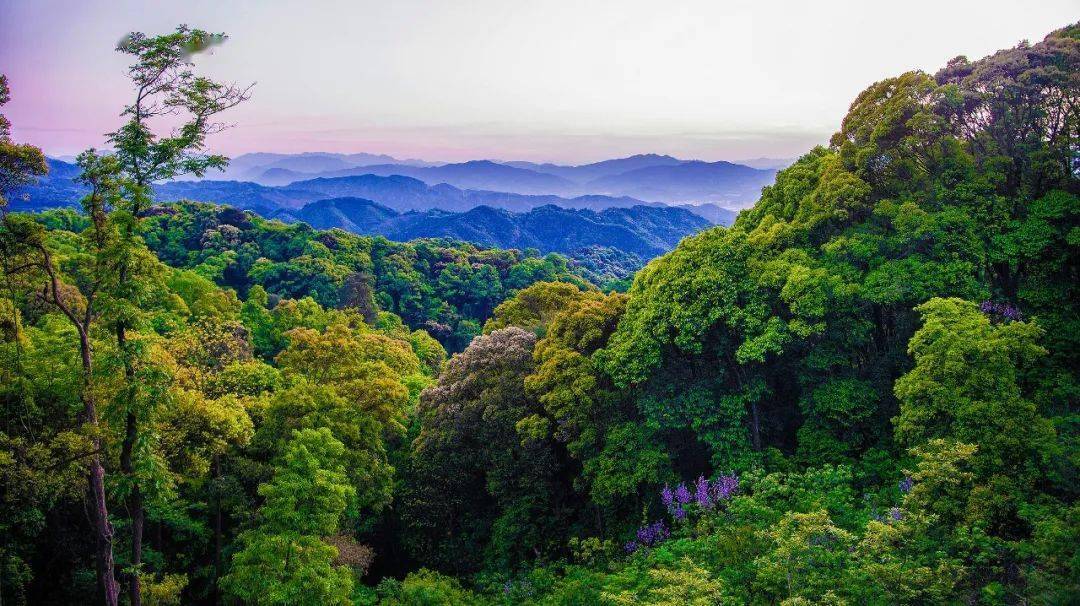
(1001, 311)
(702, 494)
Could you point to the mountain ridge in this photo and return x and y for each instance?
(645, 231)
(726, 182)
(402, 193)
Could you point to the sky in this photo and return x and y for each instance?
(565, 81)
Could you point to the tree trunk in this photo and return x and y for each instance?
(102, 527)
(135, 500)
(755, 426)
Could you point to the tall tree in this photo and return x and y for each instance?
(29, 259)
(284, 559)
(165, 86)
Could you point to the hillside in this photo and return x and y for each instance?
(477, 174)
(58, 189)
(640, 230)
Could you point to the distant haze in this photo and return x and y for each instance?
(557, 81)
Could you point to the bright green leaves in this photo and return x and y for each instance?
(677, 299)
(310, 490)
(966, 404)
(794, 542)
(967, 386)
(283, 560)
(889, 134)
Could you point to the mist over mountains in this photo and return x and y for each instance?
(646, 177)
(252, 167)
(400, 193)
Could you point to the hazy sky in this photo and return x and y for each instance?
(567, 81)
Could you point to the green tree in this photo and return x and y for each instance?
(968, 386)
(283, 559)
(35, 267)
(164, 85)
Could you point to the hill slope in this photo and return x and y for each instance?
(640, 230)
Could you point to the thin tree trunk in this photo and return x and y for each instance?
(131, 434)
(135, 500)
(103, 530)
(102, 527)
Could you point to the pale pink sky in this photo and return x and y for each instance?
(562, 80)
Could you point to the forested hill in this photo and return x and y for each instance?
(864, 391)
(446, 287)
(644, 231)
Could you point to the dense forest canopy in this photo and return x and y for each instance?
(865, 391)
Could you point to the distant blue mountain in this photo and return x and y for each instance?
(589, 172)
(406, 193)
(477, 174)
(252, 167)
(717, 215)
(650, 177)
(688, 182)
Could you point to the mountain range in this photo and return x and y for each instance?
(399, 193)
(450, 200)
(252, 167)
(644, 231)
(646, 177)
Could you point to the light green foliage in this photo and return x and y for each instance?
(534, 307)
(682, 583)
(427, 588)
(967, 386)
(283, 560)
(806, 553)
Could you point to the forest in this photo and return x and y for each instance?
(864, 391)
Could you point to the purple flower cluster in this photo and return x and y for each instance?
(724, 487)
(667, 496)
(1003, 311)
(682, 494)
(706, 494)
(701, 492)
(647, 536)
(906, 484)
